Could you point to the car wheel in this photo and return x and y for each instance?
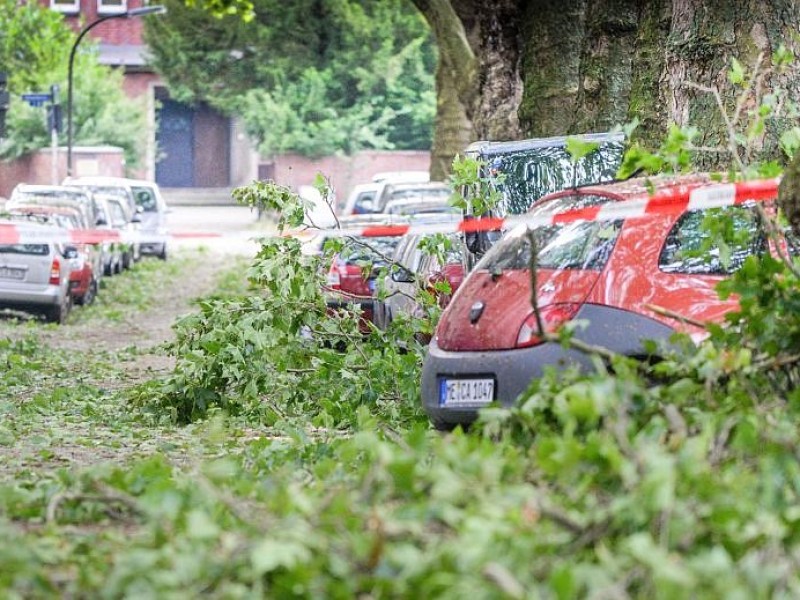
(108, 269)
(60, 312)
(127, 261)
(89, 296)
(118, 266)
(163, 254)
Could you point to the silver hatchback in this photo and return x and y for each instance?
(35, 272)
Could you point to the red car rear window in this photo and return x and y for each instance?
(580, 245)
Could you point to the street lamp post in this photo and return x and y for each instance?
(134, 12)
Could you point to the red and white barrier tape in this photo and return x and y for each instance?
(674, 200)
(22, 233)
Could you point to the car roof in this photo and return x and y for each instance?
(427, 185)
(494, 148)
(100, 180)
(639, 187)
(34, 187)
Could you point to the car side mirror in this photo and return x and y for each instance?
(100, 221)
(401, 275)
(70, 252)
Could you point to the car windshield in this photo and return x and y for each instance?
(524, 176)
(583, 245)
(31, 249)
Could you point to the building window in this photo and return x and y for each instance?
(66, 6)
(110, 7)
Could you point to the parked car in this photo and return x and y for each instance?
(126, 223)
(423, 205)
(55, 195)
(414, 271)
(610, 274)
(112, 249)
(153, 212)
(112, 187)
(362, 197)
(411, 191)
(371, 197)
(351, 278)
(522, 171)
(87, 265)
(34, 277)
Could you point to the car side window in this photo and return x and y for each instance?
(146, 199)
(712, 242)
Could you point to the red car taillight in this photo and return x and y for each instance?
(55, 272)
(553, 316)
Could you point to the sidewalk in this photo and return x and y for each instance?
(198, 196)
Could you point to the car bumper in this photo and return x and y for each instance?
(50, 295)
(152, 247)
(511, 370)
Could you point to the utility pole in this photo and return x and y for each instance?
(54, 122)
(4, 101)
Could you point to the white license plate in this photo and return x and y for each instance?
(9, 273)
(466, 392)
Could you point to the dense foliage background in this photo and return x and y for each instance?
(314, 77)
(34, 51)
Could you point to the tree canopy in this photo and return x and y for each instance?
(354, 75)
(34, 51)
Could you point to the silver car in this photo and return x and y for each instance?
(153, 213)
(34, 275)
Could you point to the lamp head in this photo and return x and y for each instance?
(156, 9)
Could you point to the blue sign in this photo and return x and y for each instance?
(36, 99)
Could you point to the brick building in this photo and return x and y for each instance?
(190, 146)
(193, 151)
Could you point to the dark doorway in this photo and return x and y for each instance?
(193, 144)
(175, 139)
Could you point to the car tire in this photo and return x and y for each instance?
(127, 261)
(163, 254)
(108, 269)
(59, 313)
(89, 296)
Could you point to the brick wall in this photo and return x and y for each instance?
(344, 172)
(113, 31)
(38, 167)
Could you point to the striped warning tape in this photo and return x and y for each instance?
(24, 233)
(674, 200)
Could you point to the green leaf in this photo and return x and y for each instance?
(736, 73)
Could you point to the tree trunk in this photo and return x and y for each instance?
(456, 85)
(554, 68)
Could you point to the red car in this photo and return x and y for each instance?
(353, 272)
(611, 274)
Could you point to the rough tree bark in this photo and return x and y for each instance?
(554, 68)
